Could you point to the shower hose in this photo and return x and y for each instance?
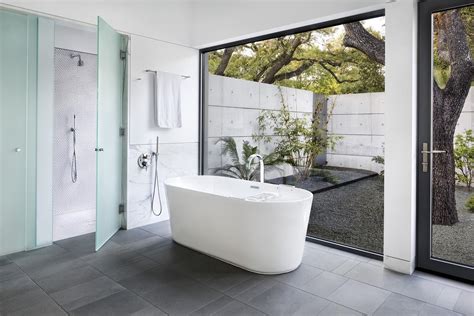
(74, 156)
(156, 190)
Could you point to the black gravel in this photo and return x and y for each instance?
(351, 214)
(456, 243)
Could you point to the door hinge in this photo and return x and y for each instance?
(123, 54)
(121, 208)
(122, 131)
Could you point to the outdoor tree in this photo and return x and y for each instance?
(316, 61)
(354, 63)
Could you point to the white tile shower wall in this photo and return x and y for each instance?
(75, 92)
(178, 149)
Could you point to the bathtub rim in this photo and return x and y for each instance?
(269, 202)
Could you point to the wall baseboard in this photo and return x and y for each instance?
(399, 265)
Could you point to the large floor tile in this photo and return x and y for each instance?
(227, 306)
(359, 296)
(14, 287)
(212, 272)
(162, 229)
(465, 303)
(121, 303)
(29, 302)
(323, 260)
(423, 290)
(123, 264)
(300, 276)
(334, 309)
(123, 237)
(170, 254)
(86, 293)
(46, 307)
(431, 310)
(396, 305)
(171, 291)
(65, 280)
(448, 297)
(10, 271)
(282, 299)
(379, 276)
(80, 245)
(324, 284)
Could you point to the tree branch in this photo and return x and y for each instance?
(298, 71)
(462, 67)
(359, 38)
(332, 73)
(226, 56)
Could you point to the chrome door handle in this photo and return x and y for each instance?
(99, 149)
(18, 149)
(433, 151)
(425, 152)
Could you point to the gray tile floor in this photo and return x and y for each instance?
(143, 272)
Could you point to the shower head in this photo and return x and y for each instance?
(80, 62)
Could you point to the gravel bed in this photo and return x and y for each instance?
(325, 178)
(456, 243)
(351, 214)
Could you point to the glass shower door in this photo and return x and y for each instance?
(17, 131)
(110, 81)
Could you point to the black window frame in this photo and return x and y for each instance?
(424, 261)
(203, 77)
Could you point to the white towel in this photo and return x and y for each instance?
(167, 100)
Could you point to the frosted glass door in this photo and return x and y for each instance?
(110, 69)
(17, 107)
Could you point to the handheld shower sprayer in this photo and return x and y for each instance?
(156, 189)
(144, 161)
(74, 156)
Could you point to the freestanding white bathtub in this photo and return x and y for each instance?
(259, 227)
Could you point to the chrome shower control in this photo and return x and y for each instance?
(144, 161)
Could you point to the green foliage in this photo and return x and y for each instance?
(239, 168)
(470, 203)
(464, 157)
(380, 160)
(335, 69)
(299, 140)
(441, 68)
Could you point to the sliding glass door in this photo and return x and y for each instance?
(446, 141)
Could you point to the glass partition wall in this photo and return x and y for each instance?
(311, 101)
(62, 130)
(18, 47)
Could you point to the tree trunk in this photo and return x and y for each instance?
(226, 56)
(443, 171)
(447, 107)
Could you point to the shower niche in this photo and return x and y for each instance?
(74, 136)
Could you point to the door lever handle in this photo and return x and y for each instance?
(425, 152)
(434, 151)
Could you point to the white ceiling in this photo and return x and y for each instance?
(200, 23)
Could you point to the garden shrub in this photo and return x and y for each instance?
(464, 157)
(470, 203)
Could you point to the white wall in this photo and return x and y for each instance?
(234, 106)
(359, 120)
(178, 149)
(400, 136)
